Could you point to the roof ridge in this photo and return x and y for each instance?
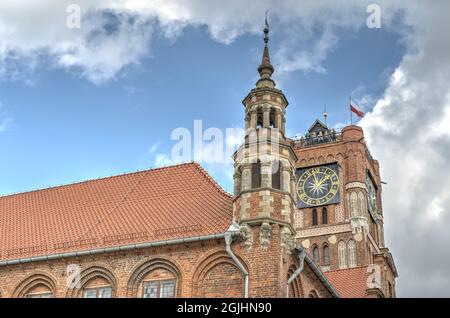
(97, 179)
(211, 180)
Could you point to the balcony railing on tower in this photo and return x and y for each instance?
(323, 137)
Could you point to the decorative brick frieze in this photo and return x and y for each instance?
(323, 230)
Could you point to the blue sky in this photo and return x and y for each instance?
(65, 128)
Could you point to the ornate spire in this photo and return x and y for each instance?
(266, 69)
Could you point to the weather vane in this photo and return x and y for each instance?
(266, 29)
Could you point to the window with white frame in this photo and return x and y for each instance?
(98, 287)
(159, 289)
(316, 255)
(352, 261)
(326, 256)
(98, 292)
(342, 252)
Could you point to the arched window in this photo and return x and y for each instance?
(39, 291)
(272, 121)
(361, 204)
(352, 262)
(342, 252)
(313, 294)
(155, 278)
(324, 216)
(97, 288)
(259, 119)
(37, 285)
(326, 256)
(316, 256)
(314, 217)
(276, 175)
(256, 175)
(354, 205)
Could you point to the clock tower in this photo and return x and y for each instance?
(319, 195)
(339, 215)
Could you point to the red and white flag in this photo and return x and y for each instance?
(355, 109)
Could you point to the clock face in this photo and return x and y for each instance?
(372, 190)
(318, 186)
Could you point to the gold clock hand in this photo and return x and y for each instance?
(323, 180)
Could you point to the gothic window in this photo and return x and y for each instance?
(314, 217)
(352, 254)
(354, 204)
(272, 121)
(276, 175)
(361, 204)
(326, 256)
(316, 256)
(256, 174)
(313, 294)
(324, 216)
(39, 291)
(342, 255)
(259, 119)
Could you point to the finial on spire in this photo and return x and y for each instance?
(325, 114)
(266, 69)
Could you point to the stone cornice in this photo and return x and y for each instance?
(256, 221)
(355, 184)
(256, 190)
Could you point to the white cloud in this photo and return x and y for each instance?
(35, 34)
(409, 132)
(116, 33)
(162, 159)
(5, 123)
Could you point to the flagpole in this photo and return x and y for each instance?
(350, 108)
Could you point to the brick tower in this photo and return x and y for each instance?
(264, 183)
(339, 217)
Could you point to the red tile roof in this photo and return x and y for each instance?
(350, 282)
(153, 205)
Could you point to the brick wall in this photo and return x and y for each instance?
(200, 269)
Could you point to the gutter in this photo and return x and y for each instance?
(319, 273)
(301, 257)
(116, 248)
(228, 239)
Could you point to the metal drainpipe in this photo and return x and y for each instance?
(228, 239)
(301, 258)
